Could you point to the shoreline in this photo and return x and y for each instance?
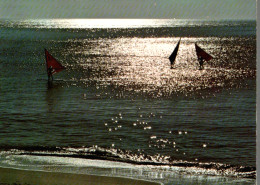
(10, 176)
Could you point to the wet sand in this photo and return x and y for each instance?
(26, 177)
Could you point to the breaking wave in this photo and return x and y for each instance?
(124, 156)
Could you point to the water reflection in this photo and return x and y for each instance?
(142, 65)
(121, 23)
(53, 93)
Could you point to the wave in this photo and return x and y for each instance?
(128, 157)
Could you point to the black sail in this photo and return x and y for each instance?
(174, 53)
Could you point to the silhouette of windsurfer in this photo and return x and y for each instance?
(201, 62)
(49, 71)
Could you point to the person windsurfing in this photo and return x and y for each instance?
(200, 62)
(202, 56)
(49, 71)
(52, 65)
(174, 54)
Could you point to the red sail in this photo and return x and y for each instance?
(201, 53)
(52, 63)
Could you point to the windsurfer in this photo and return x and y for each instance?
(49, 71)
(174, 54)
(201, 62)
(202, 56)
(52, 65)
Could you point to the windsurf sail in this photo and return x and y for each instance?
(202, 54)
(52, 64)
(174, 53)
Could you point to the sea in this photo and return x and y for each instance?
(119, 110)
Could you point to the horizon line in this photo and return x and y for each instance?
(203, 19)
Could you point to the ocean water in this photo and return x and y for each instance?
(119, 110)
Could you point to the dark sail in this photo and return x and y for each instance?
(202, 54)
(52, 63)
(174, 53)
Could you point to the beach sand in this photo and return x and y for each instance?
(26, 177)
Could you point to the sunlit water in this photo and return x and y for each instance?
(119, 100)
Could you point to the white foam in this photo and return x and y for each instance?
(160, 173)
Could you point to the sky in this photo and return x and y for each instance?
(166, 9)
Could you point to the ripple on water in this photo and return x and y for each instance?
(141, 65)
